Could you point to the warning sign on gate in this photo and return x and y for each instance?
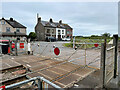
(57, 51)
(21, 45)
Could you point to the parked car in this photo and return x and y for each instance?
(50, 39)
(66, 39)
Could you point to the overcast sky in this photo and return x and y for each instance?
(86, 18)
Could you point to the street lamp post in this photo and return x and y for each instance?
(15, 45)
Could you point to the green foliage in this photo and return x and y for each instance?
(94, 35)
(106, 35)
(32, 35)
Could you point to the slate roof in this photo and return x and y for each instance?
(14, 23)
(55, 25)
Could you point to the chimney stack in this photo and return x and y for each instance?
(51, 21)
(60, 21)
(3, 18)
(11, 19)
(37, 15)
(38, 18)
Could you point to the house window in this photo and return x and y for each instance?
(68, 32)
(58, 32)
(2, 22)
(17, 29)
(62, 31)
(52, 31)
(7, 29)
(48, 30)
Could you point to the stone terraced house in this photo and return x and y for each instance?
(11, 29)
(49, 28)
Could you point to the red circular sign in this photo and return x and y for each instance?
(56, 51)
(96, 45)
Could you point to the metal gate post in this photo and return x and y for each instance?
(10, 46)
(103, 57)
(15, 45)
(16, 48)
(39, 84)
(115, 43)
(73, 42)
(85, 53)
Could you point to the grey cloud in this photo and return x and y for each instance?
(85, 18)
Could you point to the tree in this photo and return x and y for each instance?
(32, 35)
(106, 35)
(94, 35)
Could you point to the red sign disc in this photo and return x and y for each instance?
(56, 51)
(2, 87)
(96, 45)
(13, 45)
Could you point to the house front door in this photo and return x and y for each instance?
(59, 37)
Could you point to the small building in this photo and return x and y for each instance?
(58, 30)
(10, 29)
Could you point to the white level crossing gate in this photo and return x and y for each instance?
(109, 61)
(109, 64)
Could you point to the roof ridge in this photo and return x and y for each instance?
(14, 23)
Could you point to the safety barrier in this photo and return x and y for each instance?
(87, 53)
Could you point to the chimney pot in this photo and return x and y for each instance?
(60, 21)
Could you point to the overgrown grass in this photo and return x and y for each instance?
(80, 46)
(87, 43)
(68, 44)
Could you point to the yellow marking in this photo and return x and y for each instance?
(54, 72)
(59, 83)
(62, 69)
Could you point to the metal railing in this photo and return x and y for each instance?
(39, 83)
